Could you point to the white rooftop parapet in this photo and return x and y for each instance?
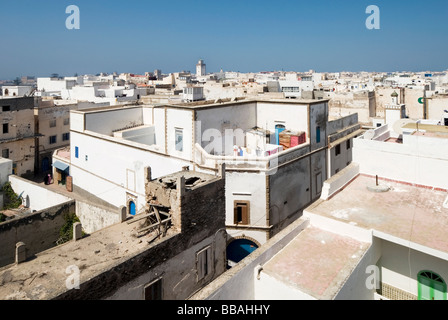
(339, 180)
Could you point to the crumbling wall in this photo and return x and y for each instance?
(39, 231)
(200, 211)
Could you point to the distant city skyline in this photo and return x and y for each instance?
(244, 36)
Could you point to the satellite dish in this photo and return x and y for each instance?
(368, 135)
(399, 124)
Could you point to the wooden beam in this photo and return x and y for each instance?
(154, 225)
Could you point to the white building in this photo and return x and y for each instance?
(192, 93)
(378, 231)
(201, 69)
(267, 184)
(413, 152)
(53, 86)
(16, 91)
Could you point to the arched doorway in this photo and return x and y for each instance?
(431, 286)
(6, 92)
(132, 211)
(239, 249)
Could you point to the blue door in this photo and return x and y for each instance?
(45, 164)
(132, 208)
(278, 129)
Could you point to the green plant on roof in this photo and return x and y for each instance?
(66, 231)
(11, 199)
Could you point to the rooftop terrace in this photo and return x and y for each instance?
(316, 262)
(409, 212)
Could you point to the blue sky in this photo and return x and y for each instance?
(246, 36)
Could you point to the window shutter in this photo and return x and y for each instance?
(235, 215)
(245, 211)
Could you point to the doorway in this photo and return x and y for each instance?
(239, 249)
(431, 286)
(45, 164)
(279, 128)
(132, 211)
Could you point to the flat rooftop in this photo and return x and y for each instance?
(317, 262)
(224, 102)
(64, 153)
(426, 127)
(44, 276)
(406, 211)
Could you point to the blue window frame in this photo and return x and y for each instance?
(317, 134)
(76, 152)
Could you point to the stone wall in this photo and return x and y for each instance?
(198, 214)
(39, 231)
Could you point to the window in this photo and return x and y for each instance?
(5, 128)
(349, 144)
(317, 134)
(179, 140)
(153, 291)
(5, 153)
(431, 286)
(53, 139)
(52, 123)
(6, 108)
(76, 152)
(241, 212)
(66, 121)
(338, 149)
(66, 136)
(204, 263)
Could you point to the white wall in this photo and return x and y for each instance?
(108, 165)
(240, 116)
(400, 266)
(37, 197)
(160, 128)
(48, 84)
(238, 282)
(16, 91)
(269, 288)
(94, 218)
(106, 122)
(293, 116)
(243, 186)
(355, 287)
(5, 170)
(422, 162)
(182, 119)
(76, 121)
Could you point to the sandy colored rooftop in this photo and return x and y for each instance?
(409, 212)
(44, 276)
(317, 262)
